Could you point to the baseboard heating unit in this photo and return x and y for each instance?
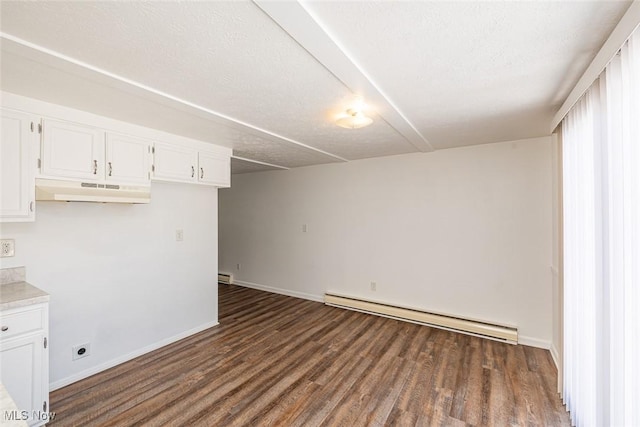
(225, 278)
(466, 326)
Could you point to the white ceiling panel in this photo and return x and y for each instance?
(57, 80)
(28, 77)
(268, 79)
(463, 65)
(50, 79)
(225, 56)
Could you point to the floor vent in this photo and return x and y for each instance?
(471, 327)
(225, 278)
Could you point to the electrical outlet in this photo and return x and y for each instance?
(179, 235)
(238, 266)
(80, 351)
(304, 228)
(374, 285)
(8, 248)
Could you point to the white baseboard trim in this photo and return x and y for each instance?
(287, 292)
(555, 354)
(113, 362)
(524, 340)
(534, 342)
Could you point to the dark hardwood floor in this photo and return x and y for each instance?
(282, 361)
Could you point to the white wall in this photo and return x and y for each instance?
(463, 231)
(116, 275)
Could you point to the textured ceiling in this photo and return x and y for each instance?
(444, 74)
(470, 72)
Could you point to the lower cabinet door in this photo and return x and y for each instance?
(22, 359)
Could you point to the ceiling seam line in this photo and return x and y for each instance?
(164, 95)
(369, 79)
(259, 162)
(423, 146)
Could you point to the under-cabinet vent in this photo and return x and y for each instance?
(225, 278)
(471, 327)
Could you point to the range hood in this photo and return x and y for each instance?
(68, 191)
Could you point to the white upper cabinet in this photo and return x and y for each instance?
(185, 164)
(74, 146)
(175, 163)
(128, 159)
(85, 153)
(18, 143)
(73, 151)
(214, 169)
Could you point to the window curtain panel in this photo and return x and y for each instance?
(601, 197)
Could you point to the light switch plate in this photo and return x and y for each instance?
(8, 248)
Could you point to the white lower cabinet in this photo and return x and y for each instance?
(24, 361)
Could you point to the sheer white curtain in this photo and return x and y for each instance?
(581, 140)
(601, 187)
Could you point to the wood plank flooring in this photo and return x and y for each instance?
(281, 361)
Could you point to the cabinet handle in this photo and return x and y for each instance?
(31, 207)
(110, 169)
(5, 328)
(201, 173)
(95, 167)
(193, 171)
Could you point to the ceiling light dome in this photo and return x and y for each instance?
(354, 119)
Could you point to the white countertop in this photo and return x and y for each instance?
(20, 294)
(15, 292)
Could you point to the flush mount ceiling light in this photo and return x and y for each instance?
(354, 116)
(354, 119)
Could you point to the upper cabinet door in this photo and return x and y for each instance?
(18, 142)
(214, 169)
(175, 163)
(128, 159)
(72, 150)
